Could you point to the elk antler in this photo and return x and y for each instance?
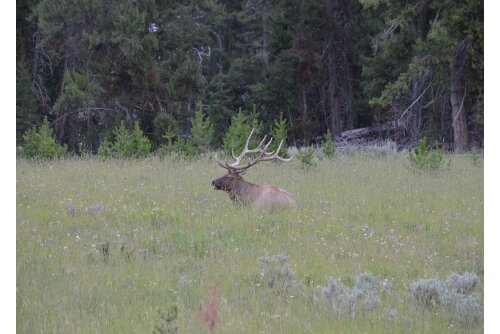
(261, 149)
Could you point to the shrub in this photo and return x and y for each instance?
(457, 295)
(186, 149)
(279, 132)
(170, 146)
(240, 128)
(182, 148)
(363, 296)
(468, 310)
(461, 300)
(41, 144)
(306, 157)
(139, 146)
(164, 123)
(202, 134)
(476, 158)
(277, 273)
(426, 292)
(465, 283)
(126, 145)
(424, 157)
(333, 293)
(369, 287)
(202, 131)
(328, 145)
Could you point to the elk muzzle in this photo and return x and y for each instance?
(222, 183)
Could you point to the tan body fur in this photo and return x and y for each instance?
(266, 197)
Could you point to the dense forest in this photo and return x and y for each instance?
(412, 68)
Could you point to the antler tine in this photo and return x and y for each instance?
(243, 153)
(221, 163)
(261, 149)
(274, 154)
(248, 141)
(267, 145)
(246, 150)
(262, 142)
(280, 158)
(264, 156)
(232, 153)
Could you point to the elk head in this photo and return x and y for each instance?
(243, 192)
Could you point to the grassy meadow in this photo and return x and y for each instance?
(138, 246)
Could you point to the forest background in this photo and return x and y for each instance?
(413, 68)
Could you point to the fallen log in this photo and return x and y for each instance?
(362, 132)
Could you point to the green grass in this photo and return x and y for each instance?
(164, 236)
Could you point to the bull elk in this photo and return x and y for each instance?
(266, 197)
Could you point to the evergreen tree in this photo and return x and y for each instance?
(202, 130)
(329, 65)
(26, 104)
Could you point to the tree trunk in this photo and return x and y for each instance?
(333, 78)
(303, 98)
(333, 94)
(35, 57)
(265, 44)
(303, 106)
(265, 32)
(415, 124)
(457, 97)
(416, 111)
(62, 123)
(351, 119)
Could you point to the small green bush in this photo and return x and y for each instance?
(279, 132)
(202, 135)
(169, 147)
(165, 122)
(185, 149)
(306, 157)
(139, 146)
(240, 128)
(328, 145)
(126, 145)
(424, 157)
(41, 144)
(202, 131)
(476, 158)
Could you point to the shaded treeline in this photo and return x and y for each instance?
(325, 65)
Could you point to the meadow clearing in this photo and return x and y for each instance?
(148, 246)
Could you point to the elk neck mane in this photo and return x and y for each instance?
(245, 192)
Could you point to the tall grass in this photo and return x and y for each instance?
(114, 246)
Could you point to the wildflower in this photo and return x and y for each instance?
(71, 209)
(97, 208)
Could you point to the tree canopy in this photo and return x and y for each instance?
(319, 66)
